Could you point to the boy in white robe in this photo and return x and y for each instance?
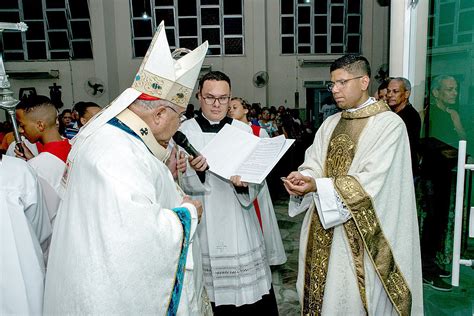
(124, 234)
(359, 247)
(37, 123)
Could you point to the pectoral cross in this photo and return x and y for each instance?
(144, 131)
(7, 102)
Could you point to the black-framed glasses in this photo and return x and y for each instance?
(182, 116)
(223, 100)
(339, 83)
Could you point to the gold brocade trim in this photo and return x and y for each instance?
(377, 246)
(341, 152)
(318, 250)
(370, 110)
(342, 147)
(149, 83)
(357, 249)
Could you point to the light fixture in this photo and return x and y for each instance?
(144, 14)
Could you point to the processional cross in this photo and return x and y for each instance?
(7, 102)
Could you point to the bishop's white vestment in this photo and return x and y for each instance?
(24, 226)
(359, 246)
(235, 266)
(118, 240)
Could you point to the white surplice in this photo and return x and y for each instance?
(116, 242)
(382, 166)
(271, 232)
(24, 226)
(32, 147)
(235, 266)
(49, 169)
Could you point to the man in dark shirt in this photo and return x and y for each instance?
(398, 93)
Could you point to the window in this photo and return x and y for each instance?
(450, 22)
(320, 26)
(188, 23)
(57, 29)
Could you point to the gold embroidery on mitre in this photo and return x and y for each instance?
(375, 243)
(154, 85)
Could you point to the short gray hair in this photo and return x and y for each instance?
(406, 83)
(436, 83)
(151, 104)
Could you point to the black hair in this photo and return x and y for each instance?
(214, 75)
(33, 102)
(81, 107)
(354, 64)
(383, 85)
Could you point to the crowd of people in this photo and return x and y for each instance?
(128, 222)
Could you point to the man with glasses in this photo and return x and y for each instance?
(237, 275)
(123, 239)
(359, 247)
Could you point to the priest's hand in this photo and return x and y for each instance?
(26, 154)
(181, 163)
(237, 182)
(297, 184)
(197, 204)
(198, 163)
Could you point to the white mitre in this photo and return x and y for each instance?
(159, 76)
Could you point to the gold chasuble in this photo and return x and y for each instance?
(363, 231)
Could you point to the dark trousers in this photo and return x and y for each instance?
(266, 306)
(437, 184)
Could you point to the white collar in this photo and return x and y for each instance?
(369, 101)
(211, 122)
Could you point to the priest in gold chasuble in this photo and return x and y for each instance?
(359, 244)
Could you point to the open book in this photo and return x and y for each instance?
(235, 152)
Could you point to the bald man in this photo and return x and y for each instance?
(37, 122)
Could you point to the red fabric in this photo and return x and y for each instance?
(39, 146)
(147, 97)
(256, 130)
(257, 210)
(60, 149)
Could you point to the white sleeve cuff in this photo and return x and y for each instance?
(194, 221)
(299, 204)
(331, 209)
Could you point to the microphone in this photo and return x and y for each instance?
(181, 140)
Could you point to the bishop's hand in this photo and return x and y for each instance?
(181, 162)
(197, 204)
